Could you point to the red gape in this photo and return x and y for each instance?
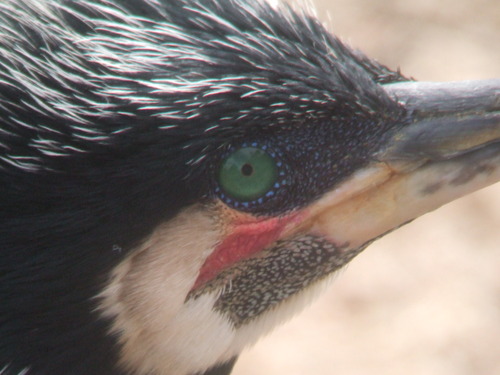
(245, 239)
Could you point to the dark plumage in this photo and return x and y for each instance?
(115, 118)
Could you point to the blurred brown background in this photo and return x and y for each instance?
(425, 299)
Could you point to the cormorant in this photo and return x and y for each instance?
(177, 177)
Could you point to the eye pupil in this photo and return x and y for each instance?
(247, 170)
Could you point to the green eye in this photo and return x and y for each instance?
(248, 174)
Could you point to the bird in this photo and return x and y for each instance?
(179, 177)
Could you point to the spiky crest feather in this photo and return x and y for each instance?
(98, 72)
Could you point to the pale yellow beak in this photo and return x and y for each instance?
(451, 148)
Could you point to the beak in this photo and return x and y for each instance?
(450, 148)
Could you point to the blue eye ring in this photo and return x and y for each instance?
(250, 175)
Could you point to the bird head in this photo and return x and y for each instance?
(177, 178)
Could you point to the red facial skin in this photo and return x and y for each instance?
(246, 237)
